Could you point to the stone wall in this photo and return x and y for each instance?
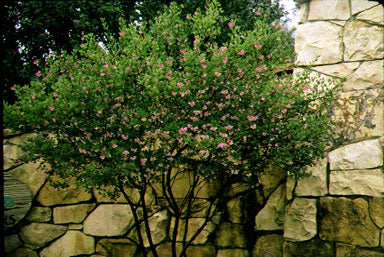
(338, 211)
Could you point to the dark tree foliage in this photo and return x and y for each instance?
(33, 29)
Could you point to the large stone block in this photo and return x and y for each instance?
(165, 250)
(36, 235)
(271, 217)
(318, 43)
(109, 220)
(235, 210)
(376, 209)
(231, 235)
(11, 243)
(23, 252)
(121, 247)
(362, 155)
(329, 10)
(357, 182)
(344, 250)
(368, 75)
(194, 224)
(362, 41)
(340, 70)
(347, 221)
(270, 179)
(72, 213)
(307, 249)
(232, 252)
(374, 15)
(73, 243)
(269, 245)
(316, 183)
(361, 5)
(300, 220)
(39, 214)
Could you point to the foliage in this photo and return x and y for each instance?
(33, 29)
(170, 94)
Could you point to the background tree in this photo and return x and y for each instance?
(34, 29)
(169, 98)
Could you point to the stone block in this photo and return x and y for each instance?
(290, 186)
(382, 239)
(376, 210)
(116, 248)
(165, 250)
(316, 183)
(36, 235)
(362, 41)
(271, 217)
(318, 43)
(39, 214)
(307, 249)
(368, 75)
(11, 243)
(71, 213)
(158, 224)
(361, 5)
(329, 10)
(23, 252)
(194, 224)
(300, 220)
(303, 14)
(109, 220)
(357, 182)
(72, 243)
(233, 252)
(268, 245)
(270, 179)
(345, 250)
(231, 235)
(235, 210)
(374, 15)
(340, 70)
(347, 221)
(362, 155)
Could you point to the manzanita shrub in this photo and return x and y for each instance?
(169, 98)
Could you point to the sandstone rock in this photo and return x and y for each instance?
(318, 43)
(132, 193)
(270, 179)
(31, 175)
(316, 183)
(235, 210)
(12, 151)
(361, 5)
(165, 250)
(49, 196)
(376, 210)
(290, 186)
(271, 217)
(382, 239)
(362, 155)
(11, 243)
(158, 224)
(23, 252)
(374, 15)
(269, 245)
(72, 213)
(232, 252)
(231, 235)
(109, 220)
(303, 14)
(39, 214)
(328, 10)
(300, 220)
(307, 249)
(116, 248)
(341, 70)
(368, 75)
(73, 243)
(357, 182)
(347, 221)
(343, 250)
(75, 227)
(193, 225)
(36, 235)
(362, 41)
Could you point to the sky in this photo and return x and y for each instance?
(290, 7)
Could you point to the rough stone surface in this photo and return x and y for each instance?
(307, 249)
(318, 43)
(75, 226)
(382, 239)
(343, 250)
(158, 223)
(361, 5)
(357, 182)
(36, 235)
(109, 220)
(233, 252)
(300, 220)
(376, 210)
(39, 214)
(363, 155)
(49, 196)
(270, 179)
(193, 225)
(116, 248)
(347, 221)
(271, 217)
(303, 14)
(31, 175)
(73, 243)
(340, 70)
(165, 250)
(235, 210)
(374, 15)
(231, 235)
(132, 193)
(328, 10)
(368, 75)
(362, 41)
(269, 245)
(11, 243)
(290, 186)
(72, 213)
(23, 252)
(316, 183)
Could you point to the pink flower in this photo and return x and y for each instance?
(217, 74)
(125, 152)
(102, 157)
(124, 137)
(288, 106)
(223, 48)
(191, 103)
(279, 86)
(225, 60)
(221, 145)
(161, 66)
(231, 24)
(183, 52)
(203, 66)
(187, 17)
(253, 126)
(241, 52)
(202, 60)
(180, 85)
(13, 89)
(196, 41)
(262, 99)
(51, 108)
(257, 13)
(259, 69)
(143, 161)
(183, 130)
(261, 57)
(169, 62)
(257, 45)
(284, 110)
(122, 34)
(102, 74)
(53, 119)
(38, 74)
(133, 158)
(252, 118)
(99, 112)
(238, 70)
(36, 62)
(278, 38)
(32, 96)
